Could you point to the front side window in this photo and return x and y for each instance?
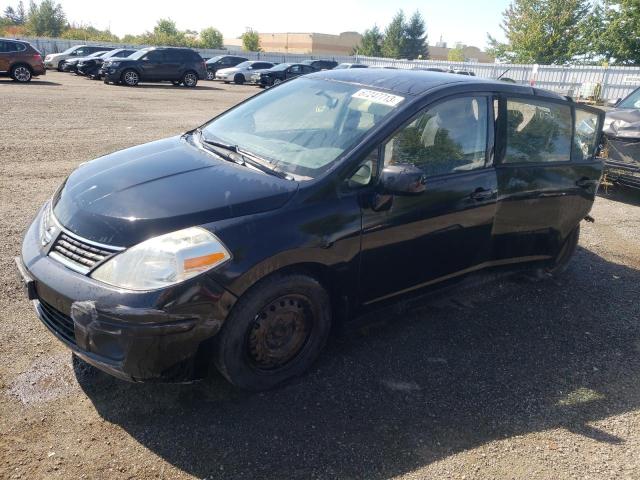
(586, 138)
(155, 56)
(449, 137)
(632, 101)
(306, 125)
(538, 131)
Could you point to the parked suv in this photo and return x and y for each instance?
(177, 65)
(56, 60)
(20, 60)
(90, 66)
(222, 61)
(321, 64)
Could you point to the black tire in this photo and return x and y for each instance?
(559, 264)
(190, 79)
(21, 73)
(274, 333)
(60, 65)
(130, 78)
(238, 79)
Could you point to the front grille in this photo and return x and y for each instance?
(57, 321)
(79, 255)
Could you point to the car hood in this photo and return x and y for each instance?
(126, 197)
(622, 123)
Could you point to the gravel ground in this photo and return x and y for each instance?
(504, 378)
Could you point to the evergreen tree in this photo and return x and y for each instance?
(370, 45)
(416, 38)
(541, 31)
(46, 19)
(393, 44)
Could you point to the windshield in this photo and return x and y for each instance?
(214, 59)
(139, 54)
(632, 101)
(244, 64)
(282, 66)
(97, 54)
(303, 126)
(69, 50)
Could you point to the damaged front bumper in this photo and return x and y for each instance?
(622, 164)
(160, 335)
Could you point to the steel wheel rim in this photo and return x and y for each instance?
(22, 74)
(189, 79)
(279, 333)
(131, 78)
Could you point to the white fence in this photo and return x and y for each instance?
(616, 82)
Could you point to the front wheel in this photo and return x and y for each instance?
(190, 79)
(130, 78)
(275, 332)
(21, 73)
(277, 81)
(60, 65)
(238, 79)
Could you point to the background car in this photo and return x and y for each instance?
(177, 65)
(622, 141)
(321, 64)
(222, 61)
(342, 66)
(20, 60)
(71, 64)
(90, 66)
(56, 60)
(282, 72)
(242, 72)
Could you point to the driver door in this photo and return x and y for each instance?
(153, 65)
(412, 240)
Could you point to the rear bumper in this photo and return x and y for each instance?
(162, 335)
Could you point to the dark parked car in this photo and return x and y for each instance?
(20, 60)
(622, 141)
(282, 72)
(177, 65)
(222, 61)
(91, 66)
(239, 244)
(321, 64)
(71, 64)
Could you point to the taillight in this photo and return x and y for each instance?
(37, 57)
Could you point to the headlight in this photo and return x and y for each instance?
(164, 260)
(112, 64)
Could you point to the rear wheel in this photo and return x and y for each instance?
(21, 73)
(130, 78)
(190, 79)
(210, 75)
(275, 332)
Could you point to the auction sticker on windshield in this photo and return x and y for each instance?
(373, 96)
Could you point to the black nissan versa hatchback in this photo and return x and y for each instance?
(240, 243)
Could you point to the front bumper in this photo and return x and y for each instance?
(161, 335)
(111, 74)
(623, 163)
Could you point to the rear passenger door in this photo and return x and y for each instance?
(445, 230)
(547, 174)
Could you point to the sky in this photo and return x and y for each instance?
(465, 21)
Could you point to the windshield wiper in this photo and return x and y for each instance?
(246, 157)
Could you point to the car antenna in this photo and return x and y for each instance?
(502, 74)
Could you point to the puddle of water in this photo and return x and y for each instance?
(47, 379)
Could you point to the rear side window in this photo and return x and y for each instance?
(538, 132)
(447, 138)
(586, 138)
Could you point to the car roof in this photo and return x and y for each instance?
(417, 82)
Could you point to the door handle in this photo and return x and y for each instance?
(481, 194)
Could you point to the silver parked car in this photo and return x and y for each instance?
(242, 72)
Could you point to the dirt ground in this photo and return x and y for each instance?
(508, 378)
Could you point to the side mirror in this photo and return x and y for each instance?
(402, 179)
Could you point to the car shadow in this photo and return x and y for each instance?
(45, 83)
(439, 376)
(621, 194)
(162, 86)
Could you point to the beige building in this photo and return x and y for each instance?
(305, 43)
